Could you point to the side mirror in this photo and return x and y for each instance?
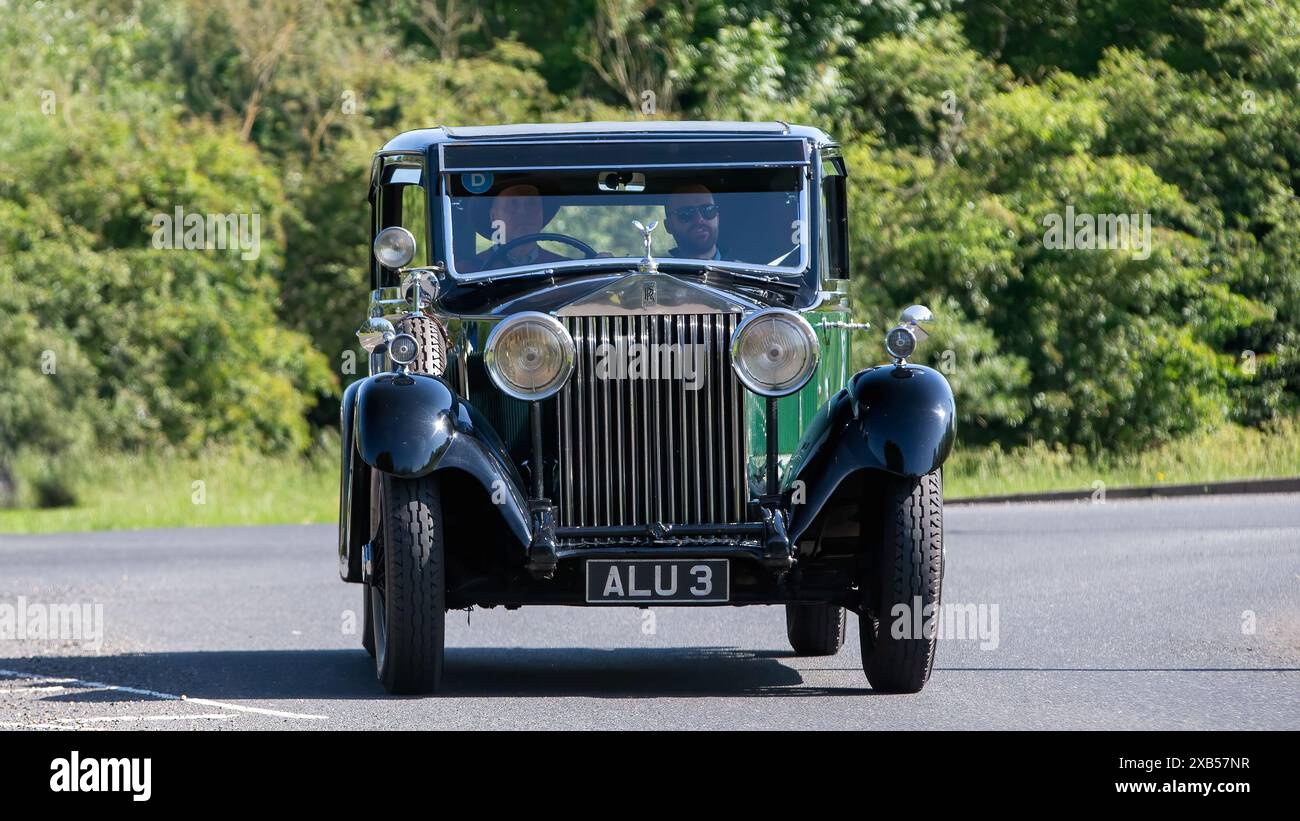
(901, 341)
(914, 317)
(420, 286)
(374, 332)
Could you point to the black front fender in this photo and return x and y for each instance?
(412, 425)
(896, 419)
(403, 423)
(354, 493)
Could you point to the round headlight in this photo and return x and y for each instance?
(402, 349)
(529, 356)
(394, 247)
(900, 342)
(774, 352)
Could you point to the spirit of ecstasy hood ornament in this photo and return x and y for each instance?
(647, 264)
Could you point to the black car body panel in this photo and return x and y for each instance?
(354, 492)
(411, 425)
(896, 419)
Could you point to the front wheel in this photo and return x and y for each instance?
(898, 628)
(408, 587)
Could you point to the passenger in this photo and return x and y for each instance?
(692, 218)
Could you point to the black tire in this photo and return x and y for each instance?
(367, 623)
(815, 629)
(408, 597)
(367, 611)
(909, 573)
(431, 338)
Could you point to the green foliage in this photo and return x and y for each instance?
(217, 486)
(111, 341)
(1107, 349)
(149, 345)
(967, 125)
(1231, 452)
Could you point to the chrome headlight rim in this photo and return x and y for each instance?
(404, 245)
(393, 349)
(805, 330)
(568, 352)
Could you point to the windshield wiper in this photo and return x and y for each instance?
(547, 272)
(596, 265)
(759, 280)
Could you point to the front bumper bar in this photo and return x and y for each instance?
(765, 542)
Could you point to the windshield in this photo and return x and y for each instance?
(753, 217)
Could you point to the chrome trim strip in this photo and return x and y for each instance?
(687, 423)
(618, 165)
(738, 431)
(605, 437)
(644, 335)
(707, 325)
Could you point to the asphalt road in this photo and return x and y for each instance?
(1128, 615)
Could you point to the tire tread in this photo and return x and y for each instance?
(414, 582)
(431, 338)
(815, 629)
(911, 569)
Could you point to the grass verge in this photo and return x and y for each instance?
(117, 492)
(1231, 452)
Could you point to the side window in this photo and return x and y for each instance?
(402, 202)
(835, 228)
(415, 218)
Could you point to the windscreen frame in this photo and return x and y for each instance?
(805, 213)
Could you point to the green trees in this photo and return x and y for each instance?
(971, 129)
(110, 341)
(965, 170)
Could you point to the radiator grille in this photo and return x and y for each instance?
(636, 444)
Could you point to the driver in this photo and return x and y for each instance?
(517, 212)
(692, 217)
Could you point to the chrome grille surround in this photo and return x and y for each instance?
(640, 449)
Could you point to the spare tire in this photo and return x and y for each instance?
(430, 338)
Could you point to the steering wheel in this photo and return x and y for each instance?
(500, 251)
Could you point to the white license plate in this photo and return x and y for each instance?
(651, 581)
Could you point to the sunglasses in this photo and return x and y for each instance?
(687, 212)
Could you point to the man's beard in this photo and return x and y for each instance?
(688, 243)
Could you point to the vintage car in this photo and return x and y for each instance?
(608, 365)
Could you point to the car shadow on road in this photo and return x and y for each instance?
(470, 672)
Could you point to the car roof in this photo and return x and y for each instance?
(421, 139)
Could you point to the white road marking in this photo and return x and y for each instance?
(98, 719)
(139, 691)
(47, 688)
(18, 725)
(75, 723)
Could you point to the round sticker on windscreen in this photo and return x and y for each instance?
(476, 182)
